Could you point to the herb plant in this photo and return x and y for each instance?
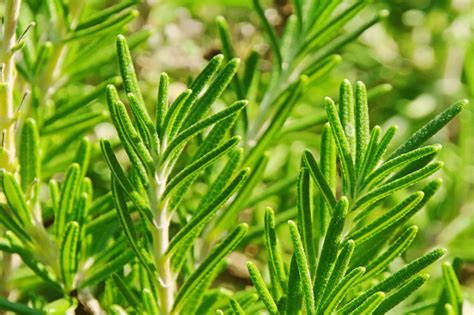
(151, 218)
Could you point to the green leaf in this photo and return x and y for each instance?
(100, 272)
(401, 294)
(342, 144)
(83, 156)
(346, 114)
(14, 245)
(68, 254)
(226, 219)
(129, 227)
(319, 178)
(105, 13)
(303, 268)
(399, 246)
(384, 222)
(110, 24)
(451, 284)
(29, 156)
(151, 305)
(328, 256)
(133, 143)
(124, 182)
(17, 308)
(127, 70)
(209, 264)
(214, 90)
(161, 104)
(430, 129)
(273, 249)
(198, 84)
(13, 225)
(370, 304)
(69, 192)
(381, 148)
(203, 216)
(387, 189)
(170, 123)
(200, 164)
(362, 126)
(236, 308)
(368, 155)
(339, 291)
(16, 199)
(196, 128)
(391, 165)
(143, 120)
(305, 213)
(396, 279)
(342, 264)
(261, 288)
(293, 303)
(125, 291)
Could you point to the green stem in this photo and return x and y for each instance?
(160, 232)
(7, 81)
(7, 77)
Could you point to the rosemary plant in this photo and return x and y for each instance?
(157, 216)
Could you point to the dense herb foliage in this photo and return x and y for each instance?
(161, 213)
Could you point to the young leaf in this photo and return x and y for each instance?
(346, 114)
(273, 248)
(69, 192)
(452, 287)
(430, 129)
(362, 127)
(68, 254)
(261, 288)
(342, 143)
(127, 70)
(161, 104)
(305, 212)
(303, 268)
(29, 155)
(236, 308)
(15, 198)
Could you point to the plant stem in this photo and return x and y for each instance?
(160, 232)
(7, 81)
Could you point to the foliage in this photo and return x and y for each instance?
(159, 215)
